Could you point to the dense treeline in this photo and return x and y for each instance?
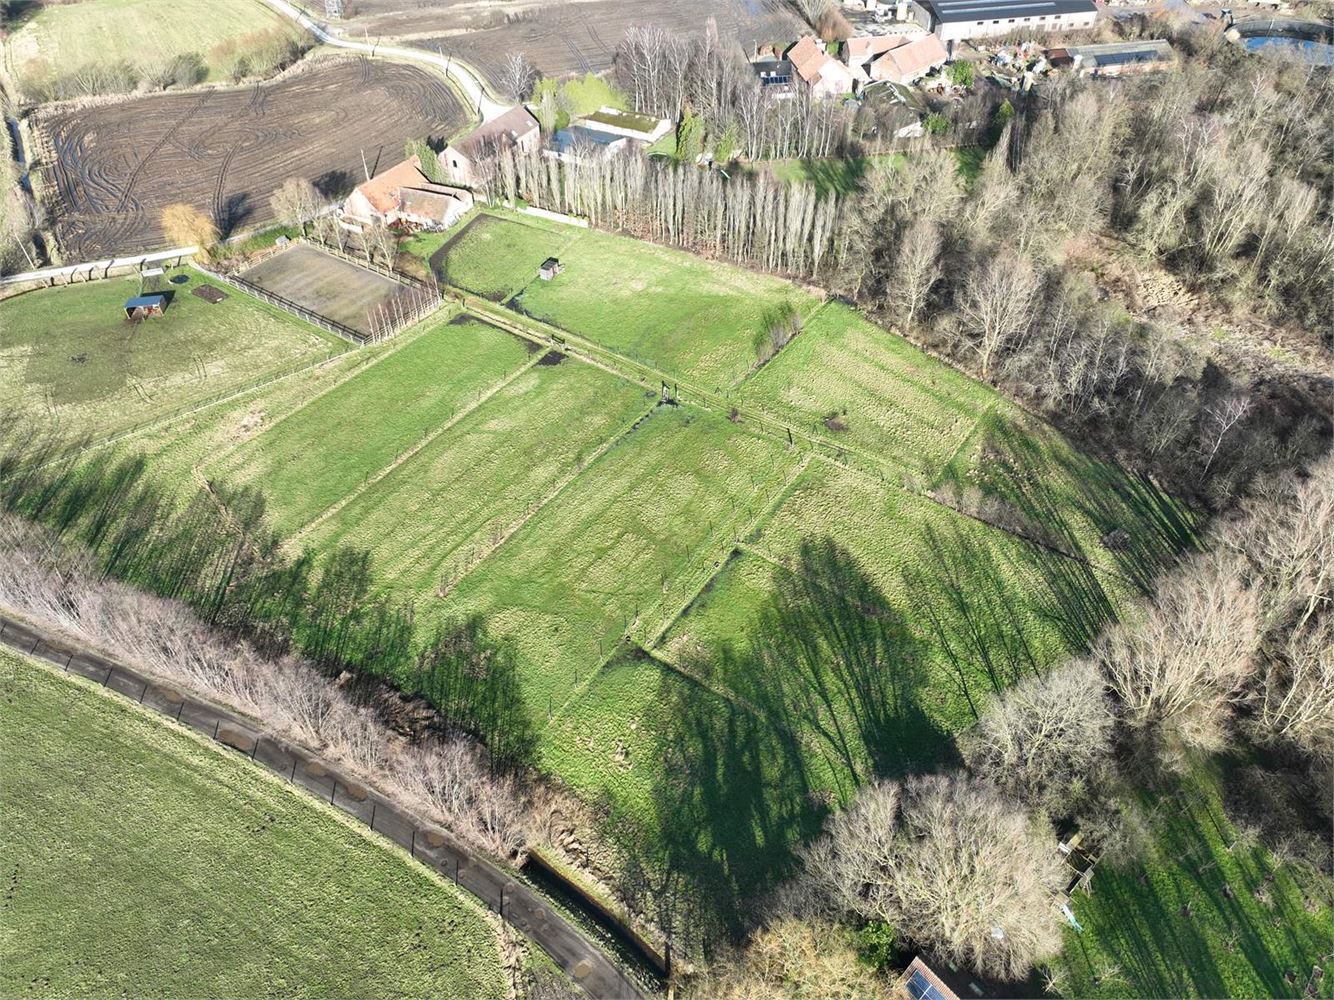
(756, 221)
(711, 89)
(213, 549)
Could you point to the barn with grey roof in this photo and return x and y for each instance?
(959, 20)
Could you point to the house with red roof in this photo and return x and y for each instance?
(899, 59)
(404, 194)
(821, 72)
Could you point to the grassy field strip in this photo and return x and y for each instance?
(496, 257)
(634, 371)
(555, 494)
(475, 487)
(371, 420)
(136, 852)
(572, 237)
(569, 586)
(407, 456)
(807, 317)
(661, 306)
(368, 356)
(70, 359)
(651, 641)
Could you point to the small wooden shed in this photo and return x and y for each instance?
(144, 306)
(549, 269)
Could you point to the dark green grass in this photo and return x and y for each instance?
(1206, 913)
(139, 862)
(69, 357)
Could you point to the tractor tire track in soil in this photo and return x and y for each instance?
(496, 888)
(226, 150)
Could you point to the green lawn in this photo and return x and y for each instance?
(317, 455)
(443, 510)
(1205, 914)
(139, 861)
(495, 257)
(62, 38)
(625, 545)
(69, 360)
(868, 389)
(692, 318)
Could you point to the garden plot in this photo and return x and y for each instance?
(135, 853)
(317, 455)
(439, 513)
(983, 608)
(117, 166)
(692, 318)
(621, 548)
(870, 390)
(70, 360)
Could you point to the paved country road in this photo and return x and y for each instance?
(486, 107)
(520, 906)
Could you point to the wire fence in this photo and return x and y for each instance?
(286, 304)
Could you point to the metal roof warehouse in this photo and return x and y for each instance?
(953, 20)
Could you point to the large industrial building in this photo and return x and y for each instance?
(958, 20)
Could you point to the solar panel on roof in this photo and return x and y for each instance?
(921, 989)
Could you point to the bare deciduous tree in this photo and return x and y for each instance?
(517, 77)
(1045, 736)
(185, 225)
(812, 959)
(295, 202)
(916, 270)
(997, 303)
(951, 863)
(1180, 667)
(450, 780)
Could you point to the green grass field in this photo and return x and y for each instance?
(69, 360)
(1205, 914)
(495, 257)
(433, 518)
(61, 38)
(644, 559)
(621, 548)
(391, 407)
(689, 317)
(140, 861)
(845, 378)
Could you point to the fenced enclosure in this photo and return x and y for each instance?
(356, 300)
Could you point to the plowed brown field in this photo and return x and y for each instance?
(562, 36)
(225, 151)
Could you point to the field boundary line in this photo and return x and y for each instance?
(750, 373)
(368, 361)
(407, 455)
(611, 441)
(654, 639)
(757, 421)
(193, 409)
